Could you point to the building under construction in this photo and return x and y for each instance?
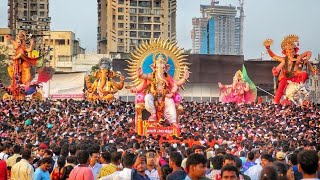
(219, 30)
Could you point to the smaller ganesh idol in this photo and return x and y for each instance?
(290, 69)
(101, 84)
(242, 89)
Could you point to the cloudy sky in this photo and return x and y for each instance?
(264, 19)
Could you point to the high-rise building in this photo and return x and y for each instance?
(123, 24)
(207, 45)
(199, 27)
(31, 16)
(222, 33)
(238, 37)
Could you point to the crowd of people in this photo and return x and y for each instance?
(69, 139)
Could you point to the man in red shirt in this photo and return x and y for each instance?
(82, 171)
(3, 170)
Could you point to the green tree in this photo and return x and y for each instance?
(4, 59)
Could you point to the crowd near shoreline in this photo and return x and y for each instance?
(70, 139)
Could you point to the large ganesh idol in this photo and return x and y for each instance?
(104, 85)
(22, 79)
(290, 71)
(158, 69)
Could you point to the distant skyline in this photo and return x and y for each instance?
(264, 19)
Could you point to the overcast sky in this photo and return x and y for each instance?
(264, 19)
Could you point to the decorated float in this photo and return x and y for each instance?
(157, 70)
(101, 84)
(23, 82)
(242, 89)
(291, 71)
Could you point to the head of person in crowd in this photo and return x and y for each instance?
(266, 159)
(40, 151)
(73, 149)
(18, 159)
(220, 152)
(268, 173)
(196, 166)
(230, 172)
(150, 156)
(105, 158)
(308, 163)
(228, 150)
(16, 149)
(64, 151)
(229, 159)
(94, 156)
(281, 169)
(293, 159)
(198, 149)
(116, 158)
(250, 156)
(83, 157)
(72, 160)
(242, 154)
(285, 148)
(45, 163)
(238, 162)
(61, 161)
(217, 162)
(47, 153)
(128, 160)
(26, 154)
(165, 171)
(257, 153)
(5, 149)
(188, 152)
(141, 166)
(175, 160)
(280, 156)
(28, 146)
(56, 150)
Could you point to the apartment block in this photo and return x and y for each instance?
(64, 46)
(31, 16)
(3, 33)
(5, 42)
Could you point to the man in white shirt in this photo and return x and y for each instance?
(254, 171)
(126, 173)
(152, 165)
(5, 148)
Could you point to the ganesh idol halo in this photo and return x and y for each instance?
(148, 52)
